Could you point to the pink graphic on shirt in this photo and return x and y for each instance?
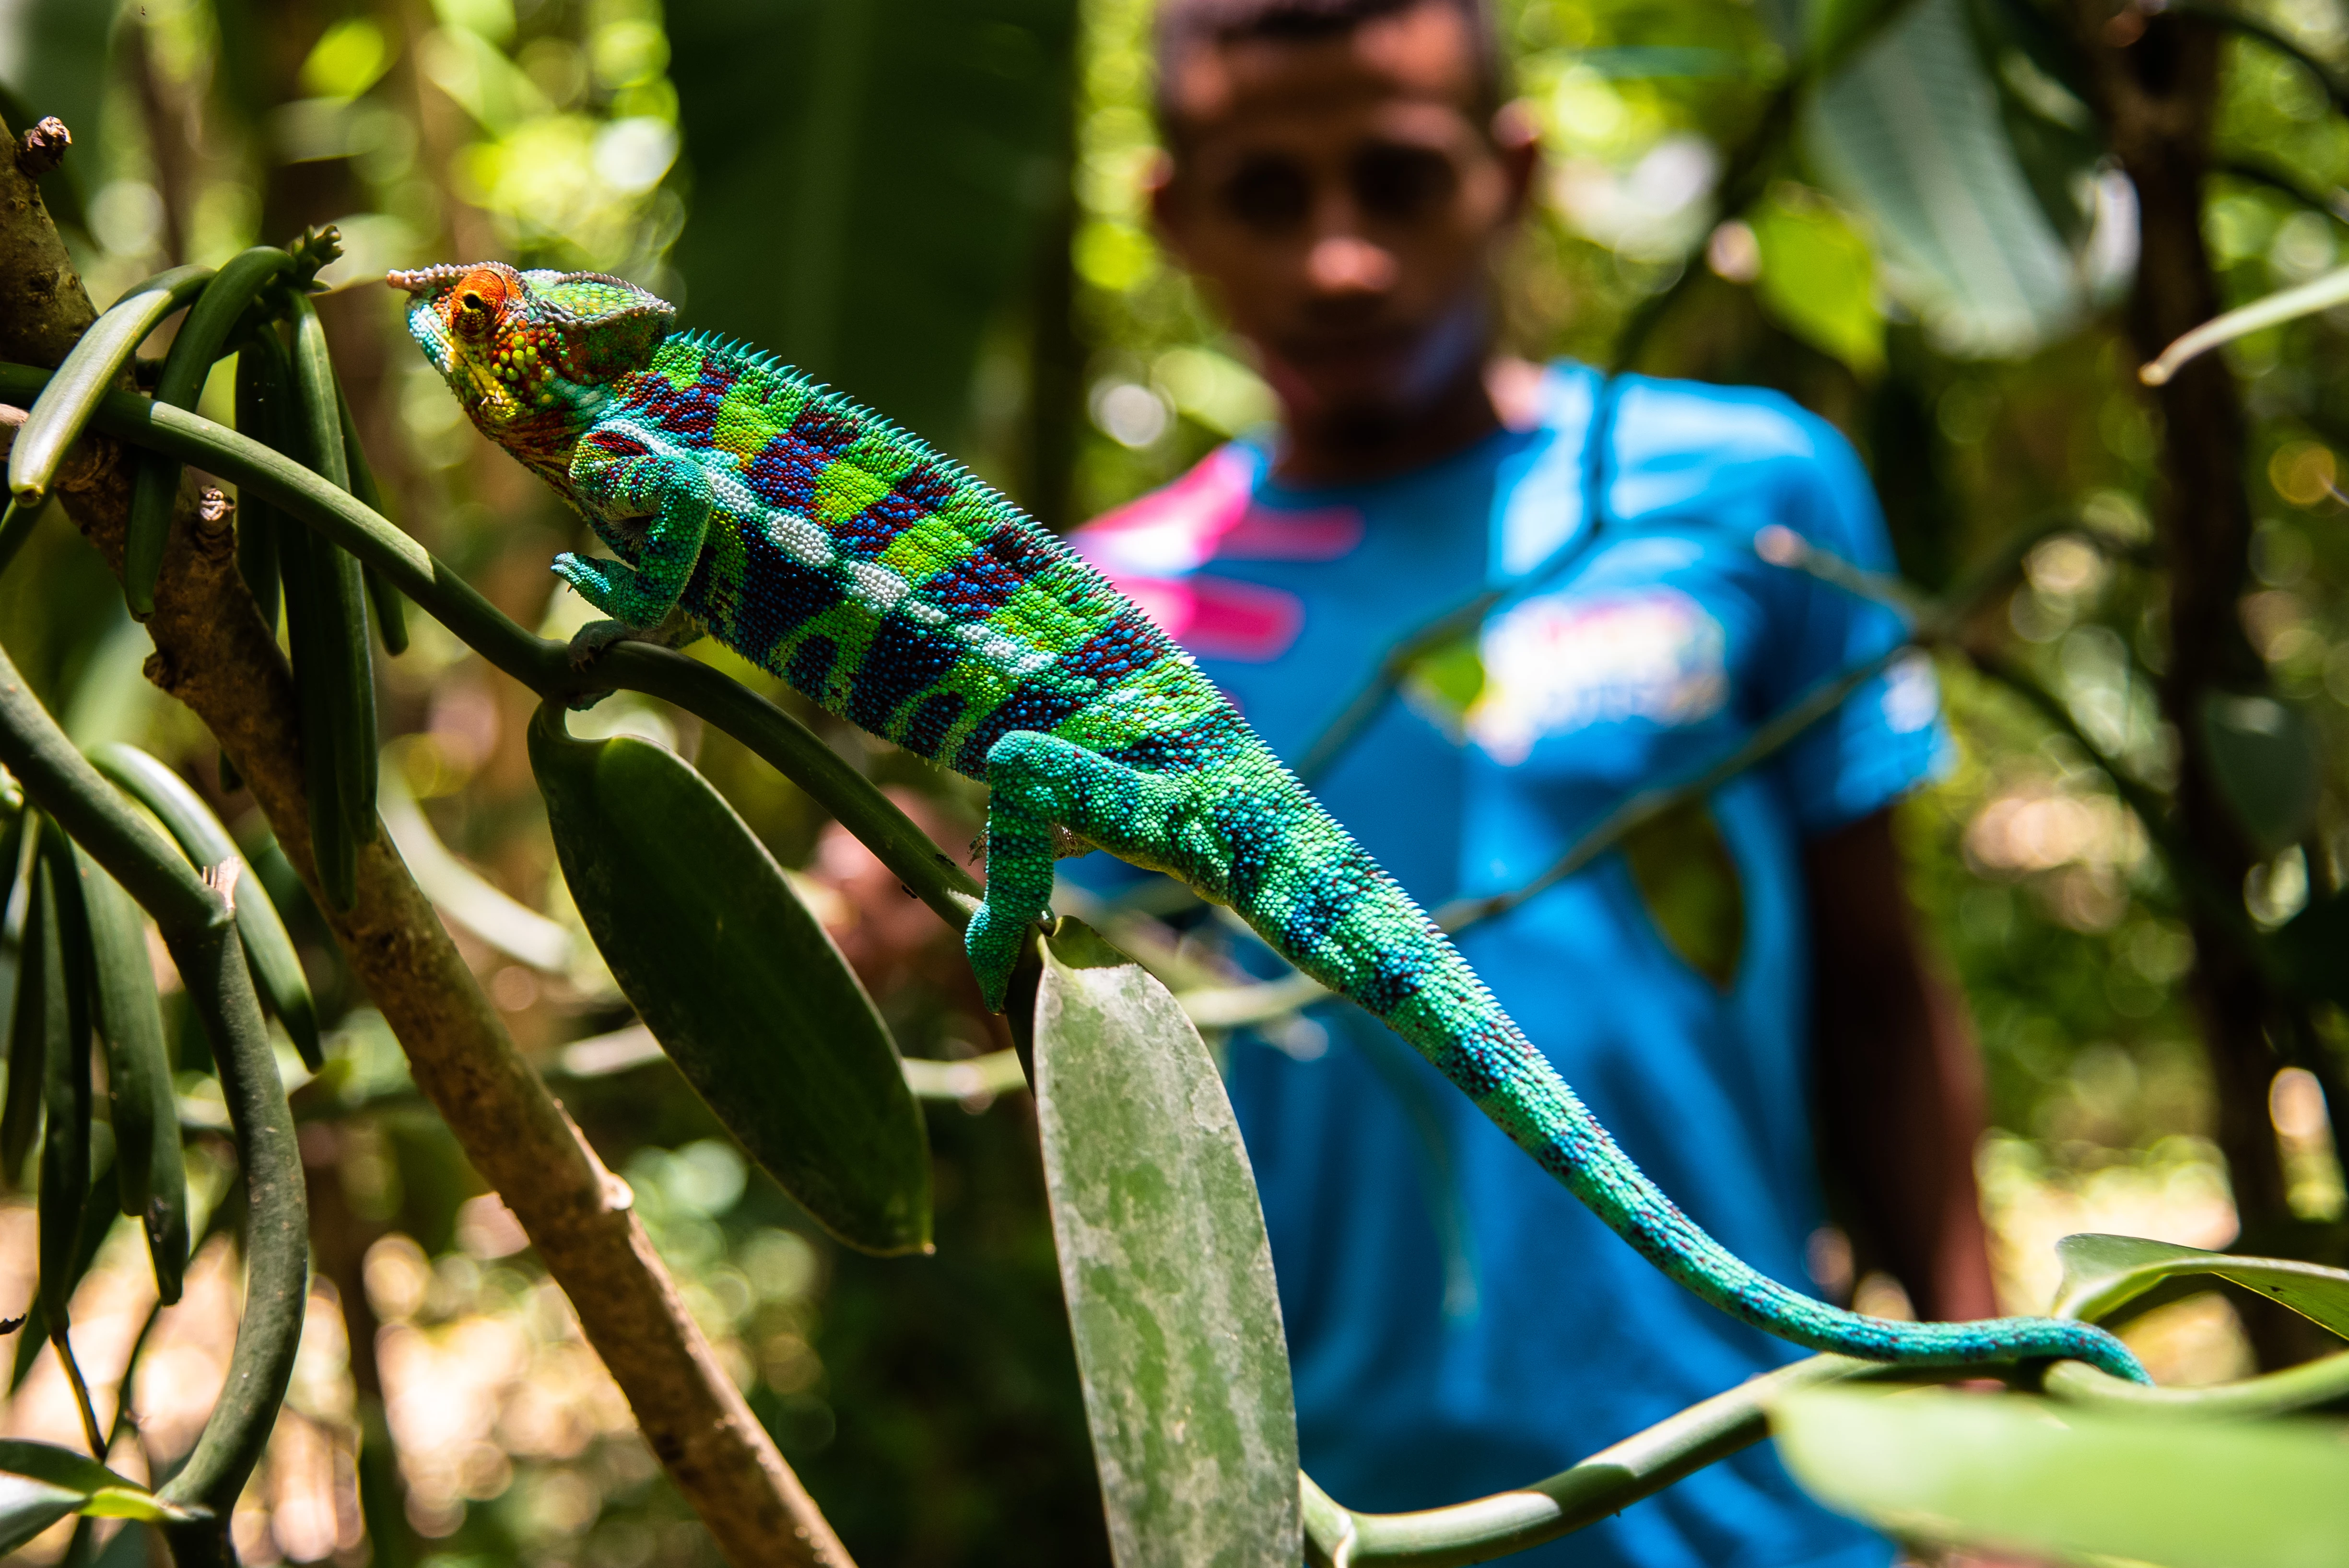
(1265, 534)
(1219, 617)
(1210, 515)
(1152, 548)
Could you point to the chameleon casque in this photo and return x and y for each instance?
(891, 587)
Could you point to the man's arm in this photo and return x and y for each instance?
(1899, 1091)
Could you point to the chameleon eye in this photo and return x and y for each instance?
(474, 317)
(480, 299)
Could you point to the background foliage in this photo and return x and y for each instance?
(935, 204)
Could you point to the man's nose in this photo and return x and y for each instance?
(1349, 265)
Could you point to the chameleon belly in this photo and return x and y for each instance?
(888, 584)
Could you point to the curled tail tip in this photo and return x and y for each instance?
(2026, 1339)
(2107, 1354)
(2059, 1340)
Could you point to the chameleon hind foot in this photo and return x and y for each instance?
(588, 643)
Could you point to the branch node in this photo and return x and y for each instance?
(222, 880)
(44, 148)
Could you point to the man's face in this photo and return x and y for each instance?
(1341, 200)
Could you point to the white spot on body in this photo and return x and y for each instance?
(876, 587)
(1013, 658)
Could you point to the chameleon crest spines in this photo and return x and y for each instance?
(904, 594)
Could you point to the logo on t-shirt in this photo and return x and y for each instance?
(1559, 663)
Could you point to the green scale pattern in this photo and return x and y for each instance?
(894, 589)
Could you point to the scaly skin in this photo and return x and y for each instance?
(893, 588)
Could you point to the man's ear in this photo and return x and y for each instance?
(1517, 137)
(1161, 187)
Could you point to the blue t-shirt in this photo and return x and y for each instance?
(1457, 1322)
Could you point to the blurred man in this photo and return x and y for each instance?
(1341, 175)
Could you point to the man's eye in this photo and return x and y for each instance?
(1400, 184)
(1268, 193)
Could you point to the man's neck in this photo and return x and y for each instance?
(1501, 393)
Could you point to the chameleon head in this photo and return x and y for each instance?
(523, 350)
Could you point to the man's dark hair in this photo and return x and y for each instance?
(1186, 25)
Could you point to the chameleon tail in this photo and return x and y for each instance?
(1328, 907)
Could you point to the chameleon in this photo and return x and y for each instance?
(893, 588)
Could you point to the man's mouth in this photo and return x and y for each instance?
(1349, 349)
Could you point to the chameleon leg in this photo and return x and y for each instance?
(676, 494)
(1035, 783)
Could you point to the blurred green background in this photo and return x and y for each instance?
(935, 205)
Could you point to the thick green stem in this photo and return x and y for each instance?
(1606, 1483)
(2301, 1387)
(276, 1237)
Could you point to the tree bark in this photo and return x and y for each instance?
(2157, 82)
(213, 653)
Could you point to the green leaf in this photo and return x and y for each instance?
(739, 982)
(151, 1175)
(1658, 62)
(29, 1507)
(1167, 1269)
(28, 1037)
(264, 398)
(65, 1085)
(390, 609)
(2265, 760)
(462, 895)
(268, 948)
(2021, 1475)
(1688, 880)
(90, 368)
(1819, 277)
(186, 366)
(1445, 682)
(13, 899)
(1909, 137)
(326, 629)
(41, 1483)
(2103, 1273)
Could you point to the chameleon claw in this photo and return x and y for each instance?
(675, 630)
(588, 643)
(991, 955)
